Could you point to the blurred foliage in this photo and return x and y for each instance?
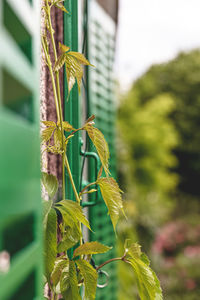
(160, 169)
(181, 78)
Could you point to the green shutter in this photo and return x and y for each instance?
(101, 48)
(20, 200)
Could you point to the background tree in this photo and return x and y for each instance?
(160, 170)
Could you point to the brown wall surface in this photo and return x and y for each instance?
(111, 7)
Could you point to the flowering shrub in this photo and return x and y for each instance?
(177, 251)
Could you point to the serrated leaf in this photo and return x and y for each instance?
(75, 211)
(80, 58)
(111, 194)
(90, 278)
(49, 123)
(100, 144)
(147, 282)
(50, 183)
(47, 133)
(74, 72)
(69, 219)
(91, 248)
(63, 48)
(59, 63)
(61, 265)
(46, 205)
(71, 238)
(67, 126)
(72, 290)
(50, 242)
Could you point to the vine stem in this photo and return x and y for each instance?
(109, 261)
(71, 179)
(87, 186)
(59, 112)
(52, 76)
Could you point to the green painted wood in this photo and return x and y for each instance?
(20, 201)
(102, 105)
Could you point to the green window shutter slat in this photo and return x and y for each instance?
(102, 104)
(20, 199)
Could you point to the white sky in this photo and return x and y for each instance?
(154, 31)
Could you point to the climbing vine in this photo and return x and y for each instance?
(63, 220)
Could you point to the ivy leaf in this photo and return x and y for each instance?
(50, 183)
(74, 72)
(67, 126)
(50, 242)
(60, 62)
(147, 282)
(100, 143)
(69, 284)
(90, 278)
(111, 194)
(80, 58)
(47, 133)
(46, 205)
(61, 265)
(49, 123)
(75, 210)
(63, 48)
(71, 238)
(91, 248)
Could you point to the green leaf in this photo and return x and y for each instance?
(67, 126)
(100, 143)
(49, 123)
(90, 278)
(75, 210)
(81, 58)
(147, 282)
(50, 183)
(47, 133)
(91, 248)
(72, 290)
(61, 265)
(71, 238)
(74, 70)
(111, 194)
(59, 63)
(50, 242)
(63, 48)
(46, 205)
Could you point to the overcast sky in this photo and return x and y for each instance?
(154, 31)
